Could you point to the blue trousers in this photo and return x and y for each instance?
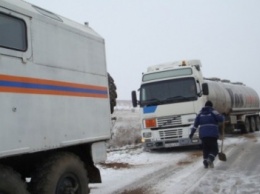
(209, 148)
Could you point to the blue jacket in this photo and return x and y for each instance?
(207, 121)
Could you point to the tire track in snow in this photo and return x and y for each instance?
(182, 179)
(145, 185)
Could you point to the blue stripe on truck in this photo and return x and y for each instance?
(149, 109)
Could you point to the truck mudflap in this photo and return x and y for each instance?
(172, 143)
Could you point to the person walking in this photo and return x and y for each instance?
(207, 121)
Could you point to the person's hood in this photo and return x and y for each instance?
(206, 110)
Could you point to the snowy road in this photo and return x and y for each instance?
(240, 174)
(180, 171)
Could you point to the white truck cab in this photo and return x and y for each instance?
(170, 98)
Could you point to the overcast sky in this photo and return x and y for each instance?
(223, 34)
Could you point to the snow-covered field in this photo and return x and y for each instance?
(129, 169)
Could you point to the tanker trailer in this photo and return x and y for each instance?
(238, 102)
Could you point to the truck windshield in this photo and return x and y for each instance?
(169, 91)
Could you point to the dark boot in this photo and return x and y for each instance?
(211, 164)
(206, 164)
(210, 160)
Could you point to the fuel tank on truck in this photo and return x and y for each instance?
(230, 97)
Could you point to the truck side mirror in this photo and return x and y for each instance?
(198, 88)
(205, 88)
(134, 99)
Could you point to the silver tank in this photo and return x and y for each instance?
(232, 98)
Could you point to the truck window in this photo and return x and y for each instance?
(12, 33)
(169, 91)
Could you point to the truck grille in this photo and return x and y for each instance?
(170, 134)
(169, 121)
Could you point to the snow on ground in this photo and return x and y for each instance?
(224, 178)
(127, 164)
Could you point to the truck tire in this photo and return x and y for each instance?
(112, 92)
(62, 173)
(252, 124)
(11, 182)
(257, 121)
(245, 127)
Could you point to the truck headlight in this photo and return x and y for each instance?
(191, 120)
(147, 134)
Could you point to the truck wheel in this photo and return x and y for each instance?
(112, 92)
(62, 173)
(252, 124)
(11, 182)
(257, 121)
(247, 125)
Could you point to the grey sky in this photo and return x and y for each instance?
(223, 34)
